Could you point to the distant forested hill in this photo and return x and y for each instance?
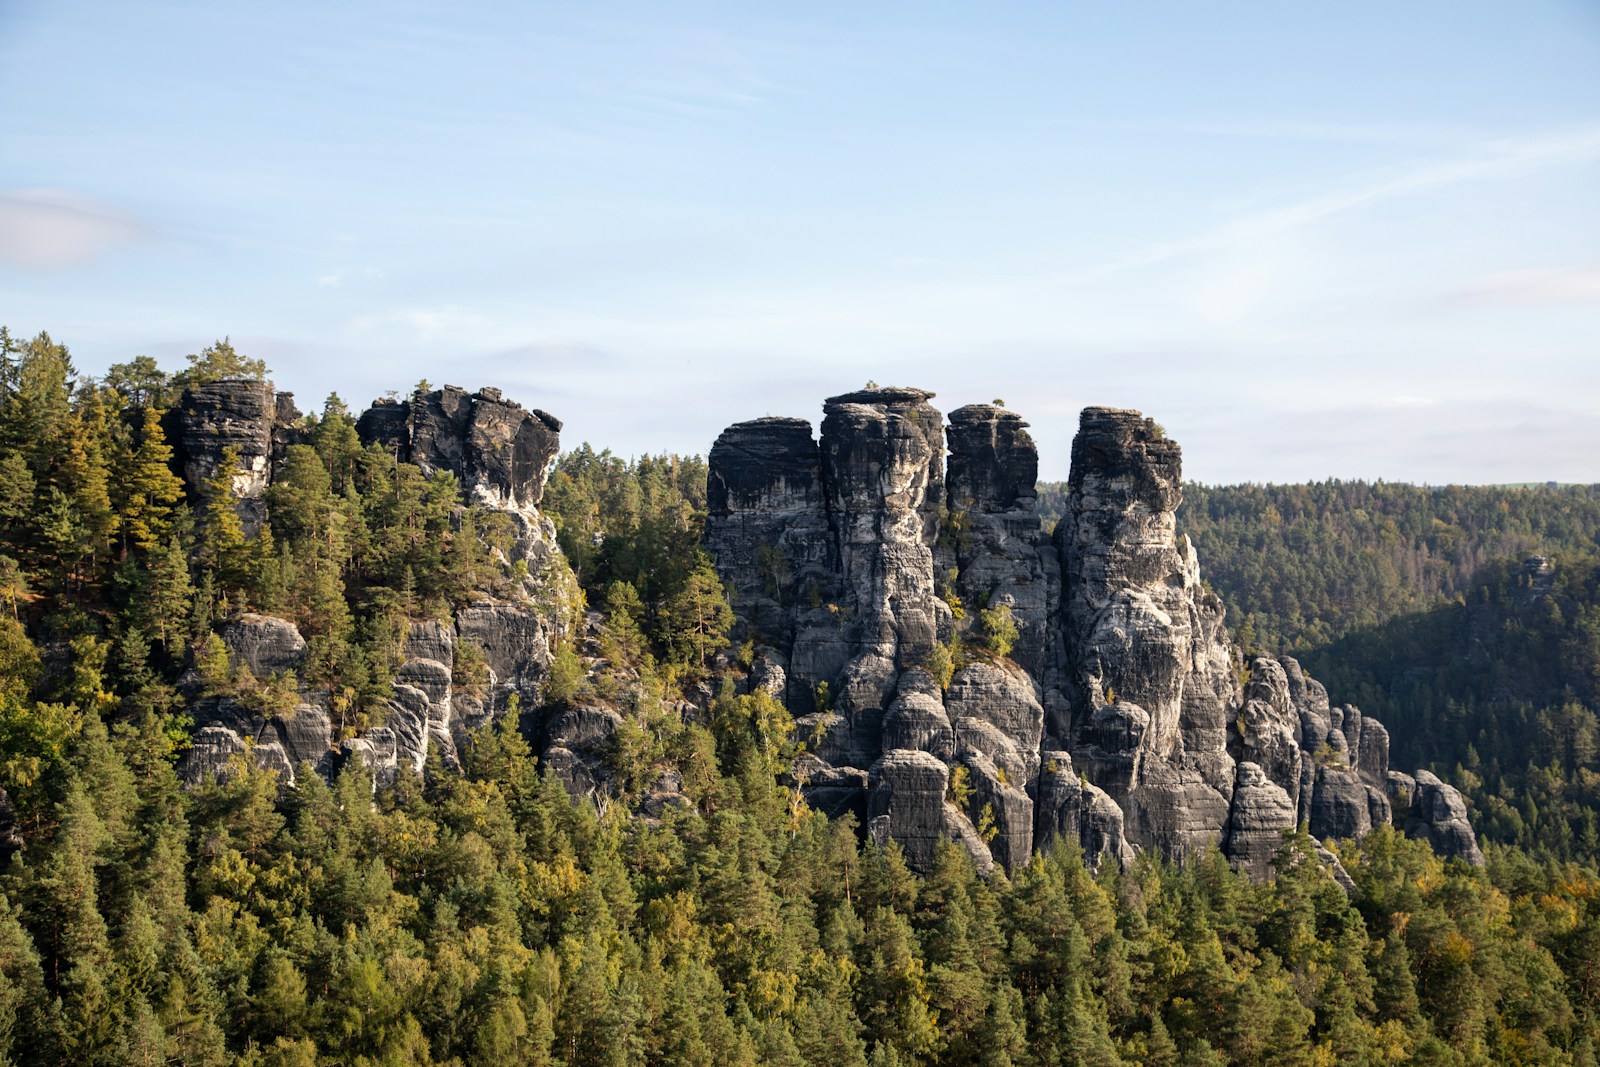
(1299, 566)
(1499, 689)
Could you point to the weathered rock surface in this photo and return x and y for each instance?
(1122, 718)
(766, 526)
(833, 553)
(284, 743)
(500, 453)
(238, 414)
(1261, 813)
(1148, 675)
(265, 645)
(1438, 815)
(994, 543)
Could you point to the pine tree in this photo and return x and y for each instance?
(79, 964)
(150, 486)
(221, 550)
(696, 621)
(337, 443)
(84, 472)
(219, 361)
(29, 1023)
(166, 595)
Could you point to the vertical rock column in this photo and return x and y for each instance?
(1147, 674)
(883, 484)
(216, 416)
(1000, 553)
(994, 554)
(766, 530)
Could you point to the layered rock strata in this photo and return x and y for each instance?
(869, 570)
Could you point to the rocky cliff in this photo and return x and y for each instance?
(878, 576)
(500, 454)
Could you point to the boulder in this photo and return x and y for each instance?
(1261, 813)
(266, 645)
(1438, 815)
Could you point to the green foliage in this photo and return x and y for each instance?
(479, 915)
(219, 361)
(565, 676)
(959, 789)
(941, 662)
(639, 523)
(1306, 564)
(997, 631)
(483, 913)
(150, 489)
(1498, 693)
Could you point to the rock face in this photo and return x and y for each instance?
(238, 414)
(833, 551)
(1439, 816)
(499, 451)
(1147, 676)
(1121, 717)
(500, 454)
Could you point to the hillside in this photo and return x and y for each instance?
(1499, 689)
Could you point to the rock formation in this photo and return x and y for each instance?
(245, 415)
(500, 454)
(960, 674)
(1121, 717)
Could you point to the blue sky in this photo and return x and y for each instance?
(1349, 240)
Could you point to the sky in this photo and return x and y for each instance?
(1356, 240)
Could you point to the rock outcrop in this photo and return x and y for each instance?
(833, 552)
(244, 415)
(1436, 813)
(1147, 677)
(500, 454)
(1120, 716)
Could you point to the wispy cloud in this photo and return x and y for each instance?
(425, 324)
(556, 354)
(1409, 134)
(1499, 158)
(1534, 287)
(52, 229)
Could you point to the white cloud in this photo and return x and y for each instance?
(52, 229)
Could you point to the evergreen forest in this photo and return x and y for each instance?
(478, 915)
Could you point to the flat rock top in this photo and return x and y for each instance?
(980, 414)
(890, 394)
(769, 424)
(246, 396)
